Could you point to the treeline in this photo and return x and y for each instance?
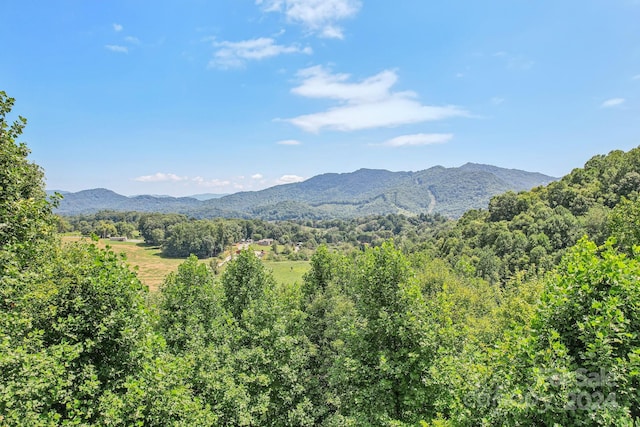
(102, 224)
(180, 236)
(530, 231)
(377, 336)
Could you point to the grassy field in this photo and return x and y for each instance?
(153, 267)
(288, 271)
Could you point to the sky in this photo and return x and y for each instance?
(193, 96)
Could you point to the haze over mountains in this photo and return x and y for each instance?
(447, 191)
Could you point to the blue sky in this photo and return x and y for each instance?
(193, 96)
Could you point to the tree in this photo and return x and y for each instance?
(321, 300)
(381, 373)
(188, 304)
(75, 330)
(25, 213)
(244, 281)
(624, 224)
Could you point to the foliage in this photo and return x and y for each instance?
(624, 224)
(244, 281)
(154, 227)
(188, 304)
(530, 231)
(74, 329)
(25, 213)
(575, 362)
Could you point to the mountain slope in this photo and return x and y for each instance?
(91, 201)
(448, 191)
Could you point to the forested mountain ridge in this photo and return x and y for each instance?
(448, 191)
(531, 230)
(97, 199)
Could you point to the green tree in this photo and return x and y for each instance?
(380, 374)
(624, 224)
(188, 304)
(25, 213)
(75, 330)
(323, 302)
(244, 281)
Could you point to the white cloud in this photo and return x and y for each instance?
(132, 40)
(320, 83)
(211, 182)
(161, 177)
(636, 77)
(236, 54)
(317, 16)
(613, 102)
(418, 139)
(289, 142)
(190, 185)
(117, 48)
(364, 105)
(117, 28)
(289, 179)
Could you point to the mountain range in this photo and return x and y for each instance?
(447, 191)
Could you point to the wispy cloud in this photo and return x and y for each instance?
(132, 40)
(289, 179)
(496, 100)
(613, 102)
(209, 183)
(320, 17)
(367, 104)
(236, 54)
(161, 177)
(117, 28)
(636, 77)
(197, 181)
(289, 142)
(170, 182)
(418, 139)
(117, 48)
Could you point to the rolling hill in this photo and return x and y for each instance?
(448, 191)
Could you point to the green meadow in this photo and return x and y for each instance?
(152, 267)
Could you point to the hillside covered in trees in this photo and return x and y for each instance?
(524, 314)
(366, 192)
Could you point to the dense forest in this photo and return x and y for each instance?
(524, 314)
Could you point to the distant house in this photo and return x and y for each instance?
(118, 239)
(265, 242)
